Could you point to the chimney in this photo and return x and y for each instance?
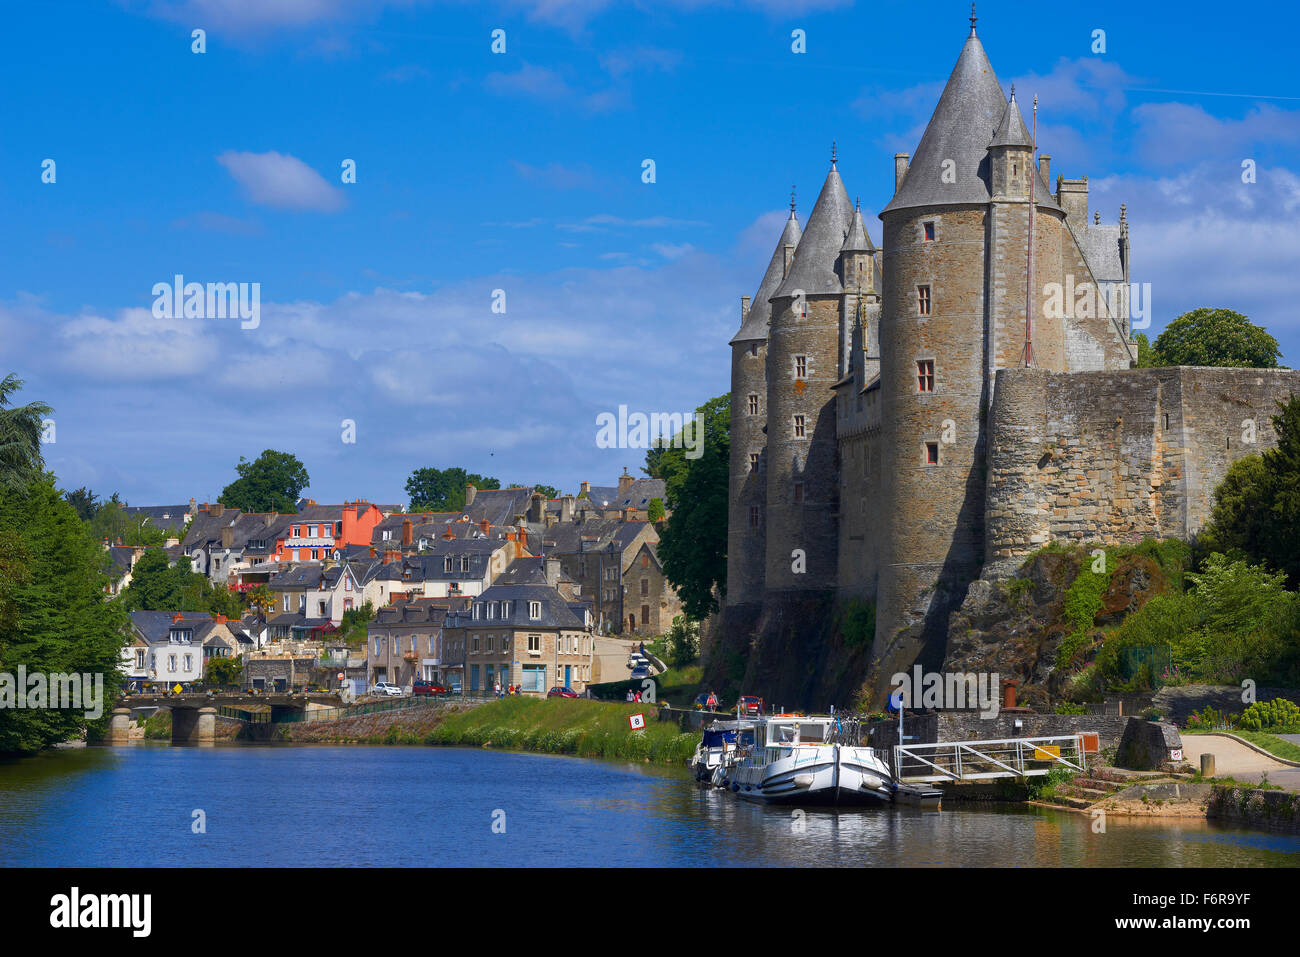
(1072, 194)
(1045, 167)
(449, 535)
(624, 482)
(550, 519)
(177, 617)
(744, 307)
(218, 510)
(553, 572)
(521, 533)
(900, 170)
(372, 551)
(536, 507)
(485, 525)
(470, 492)
(193, 507)
(227, 537)
(406, 532)
(629, 514)
(586, 489)
(566, 508)
(221, 619)
(271, 517)
(392, 555)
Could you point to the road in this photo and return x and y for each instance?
(1234, 759)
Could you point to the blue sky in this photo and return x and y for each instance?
(522, 171)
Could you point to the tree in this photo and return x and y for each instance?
(655, 511)
(57, 621)
(270, 483)
(21, 428)
(683, 641)
(548, 491)
(158, 585)
(1214, 337)
(111, 523)
(85, 502)
(693, 542)
(1257, 505)
(223, 672)
(443, 490)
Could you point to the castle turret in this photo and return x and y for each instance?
(803, 362)
(748, 491)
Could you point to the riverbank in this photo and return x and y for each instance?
(592, 729)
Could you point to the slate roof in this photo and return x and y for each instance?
(638, 494)
(160, 516)
(813, 268)
(593, 535)
(856, 239)
(499, 506)
(155, 625)
(961, 129)
(419, 612)
(760, 309)
(1011, 130)
(303, 575)
(1100, 246)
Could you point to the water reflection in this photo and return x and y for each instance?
(328, 806)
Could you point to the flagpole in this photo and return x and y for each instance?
(1029, 267)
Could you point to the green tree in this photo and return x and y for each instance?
(1257, 506)
(1146, 355)
(85, 502)
(548, 491)
(655, 510)
(56, 619)
(693, 542)
(443, 490)
(683, 641)
(20, 437)
(158, 585)
(1214, 337)
(111, 523)
(223, 672)
(270, 483)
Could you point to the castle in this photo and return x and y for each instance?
(908, 417)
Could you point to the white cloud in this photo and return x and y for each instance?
(282, 181)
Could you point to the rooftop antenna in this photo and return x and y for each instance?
(1029, 266)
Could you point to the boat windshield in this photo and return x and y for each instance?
(801, 732)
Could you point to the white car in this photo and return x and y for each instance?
(383, 687)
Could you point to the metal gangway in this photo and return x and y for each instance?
(984, 760)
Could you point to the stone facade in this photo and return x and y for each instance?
(940, 407)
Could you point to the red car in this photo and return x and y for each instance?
(558, 692)
(751, 705)
(422, 687)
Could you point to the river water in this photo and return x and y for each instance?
(286, 805)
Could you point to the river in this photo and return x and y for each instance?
(327, 806)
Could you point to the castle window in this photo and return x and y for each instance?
(925, 375)
(753, 348)
(801, 309)
(798, 427)
(753, 461)
(923, 300)
(753, 404)
(800, 367)
(753, 516)
(929, 231)
(931, 453)
(1166, 420)
(798, 492)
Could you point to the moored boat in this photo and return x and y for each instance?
(720, 739)
(798, 759)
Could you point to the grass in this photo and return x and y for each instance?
(597, 729)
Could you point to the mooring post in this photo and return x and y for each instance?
(1207, 765)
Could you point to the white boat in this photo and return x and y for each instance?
(798, 759)
(720, 740)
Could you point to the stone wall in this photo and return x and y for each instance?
(1118, 456)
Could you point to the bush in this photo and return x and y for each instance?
(1279, 714)
(857, 622)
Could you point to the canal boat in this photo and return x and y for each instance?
(809, 760)
(720, 740)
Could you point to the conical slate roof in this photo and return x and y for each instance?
(857, 240)
(813, 269)
(760, 310)
(962, 128)
(1012, 131)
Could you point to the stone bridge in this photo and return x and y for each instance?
(194, 716)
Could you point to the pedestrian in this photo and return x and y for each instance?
(637, 698)
(630, 698)
(712, 703)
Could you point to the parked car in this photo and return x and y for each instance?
(558, 692)
(384, 688)
(422, 687)
(751, 705)
(639, 672)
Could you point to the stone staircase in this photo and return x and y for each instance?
(1099, 783)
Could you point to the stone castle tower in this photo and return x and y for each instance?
(867, 422)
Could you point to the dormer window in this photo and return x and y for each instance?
(535, 610)
(446, 564)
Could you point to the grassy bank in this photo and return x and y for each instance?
(597, 729)
(1261, 739)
